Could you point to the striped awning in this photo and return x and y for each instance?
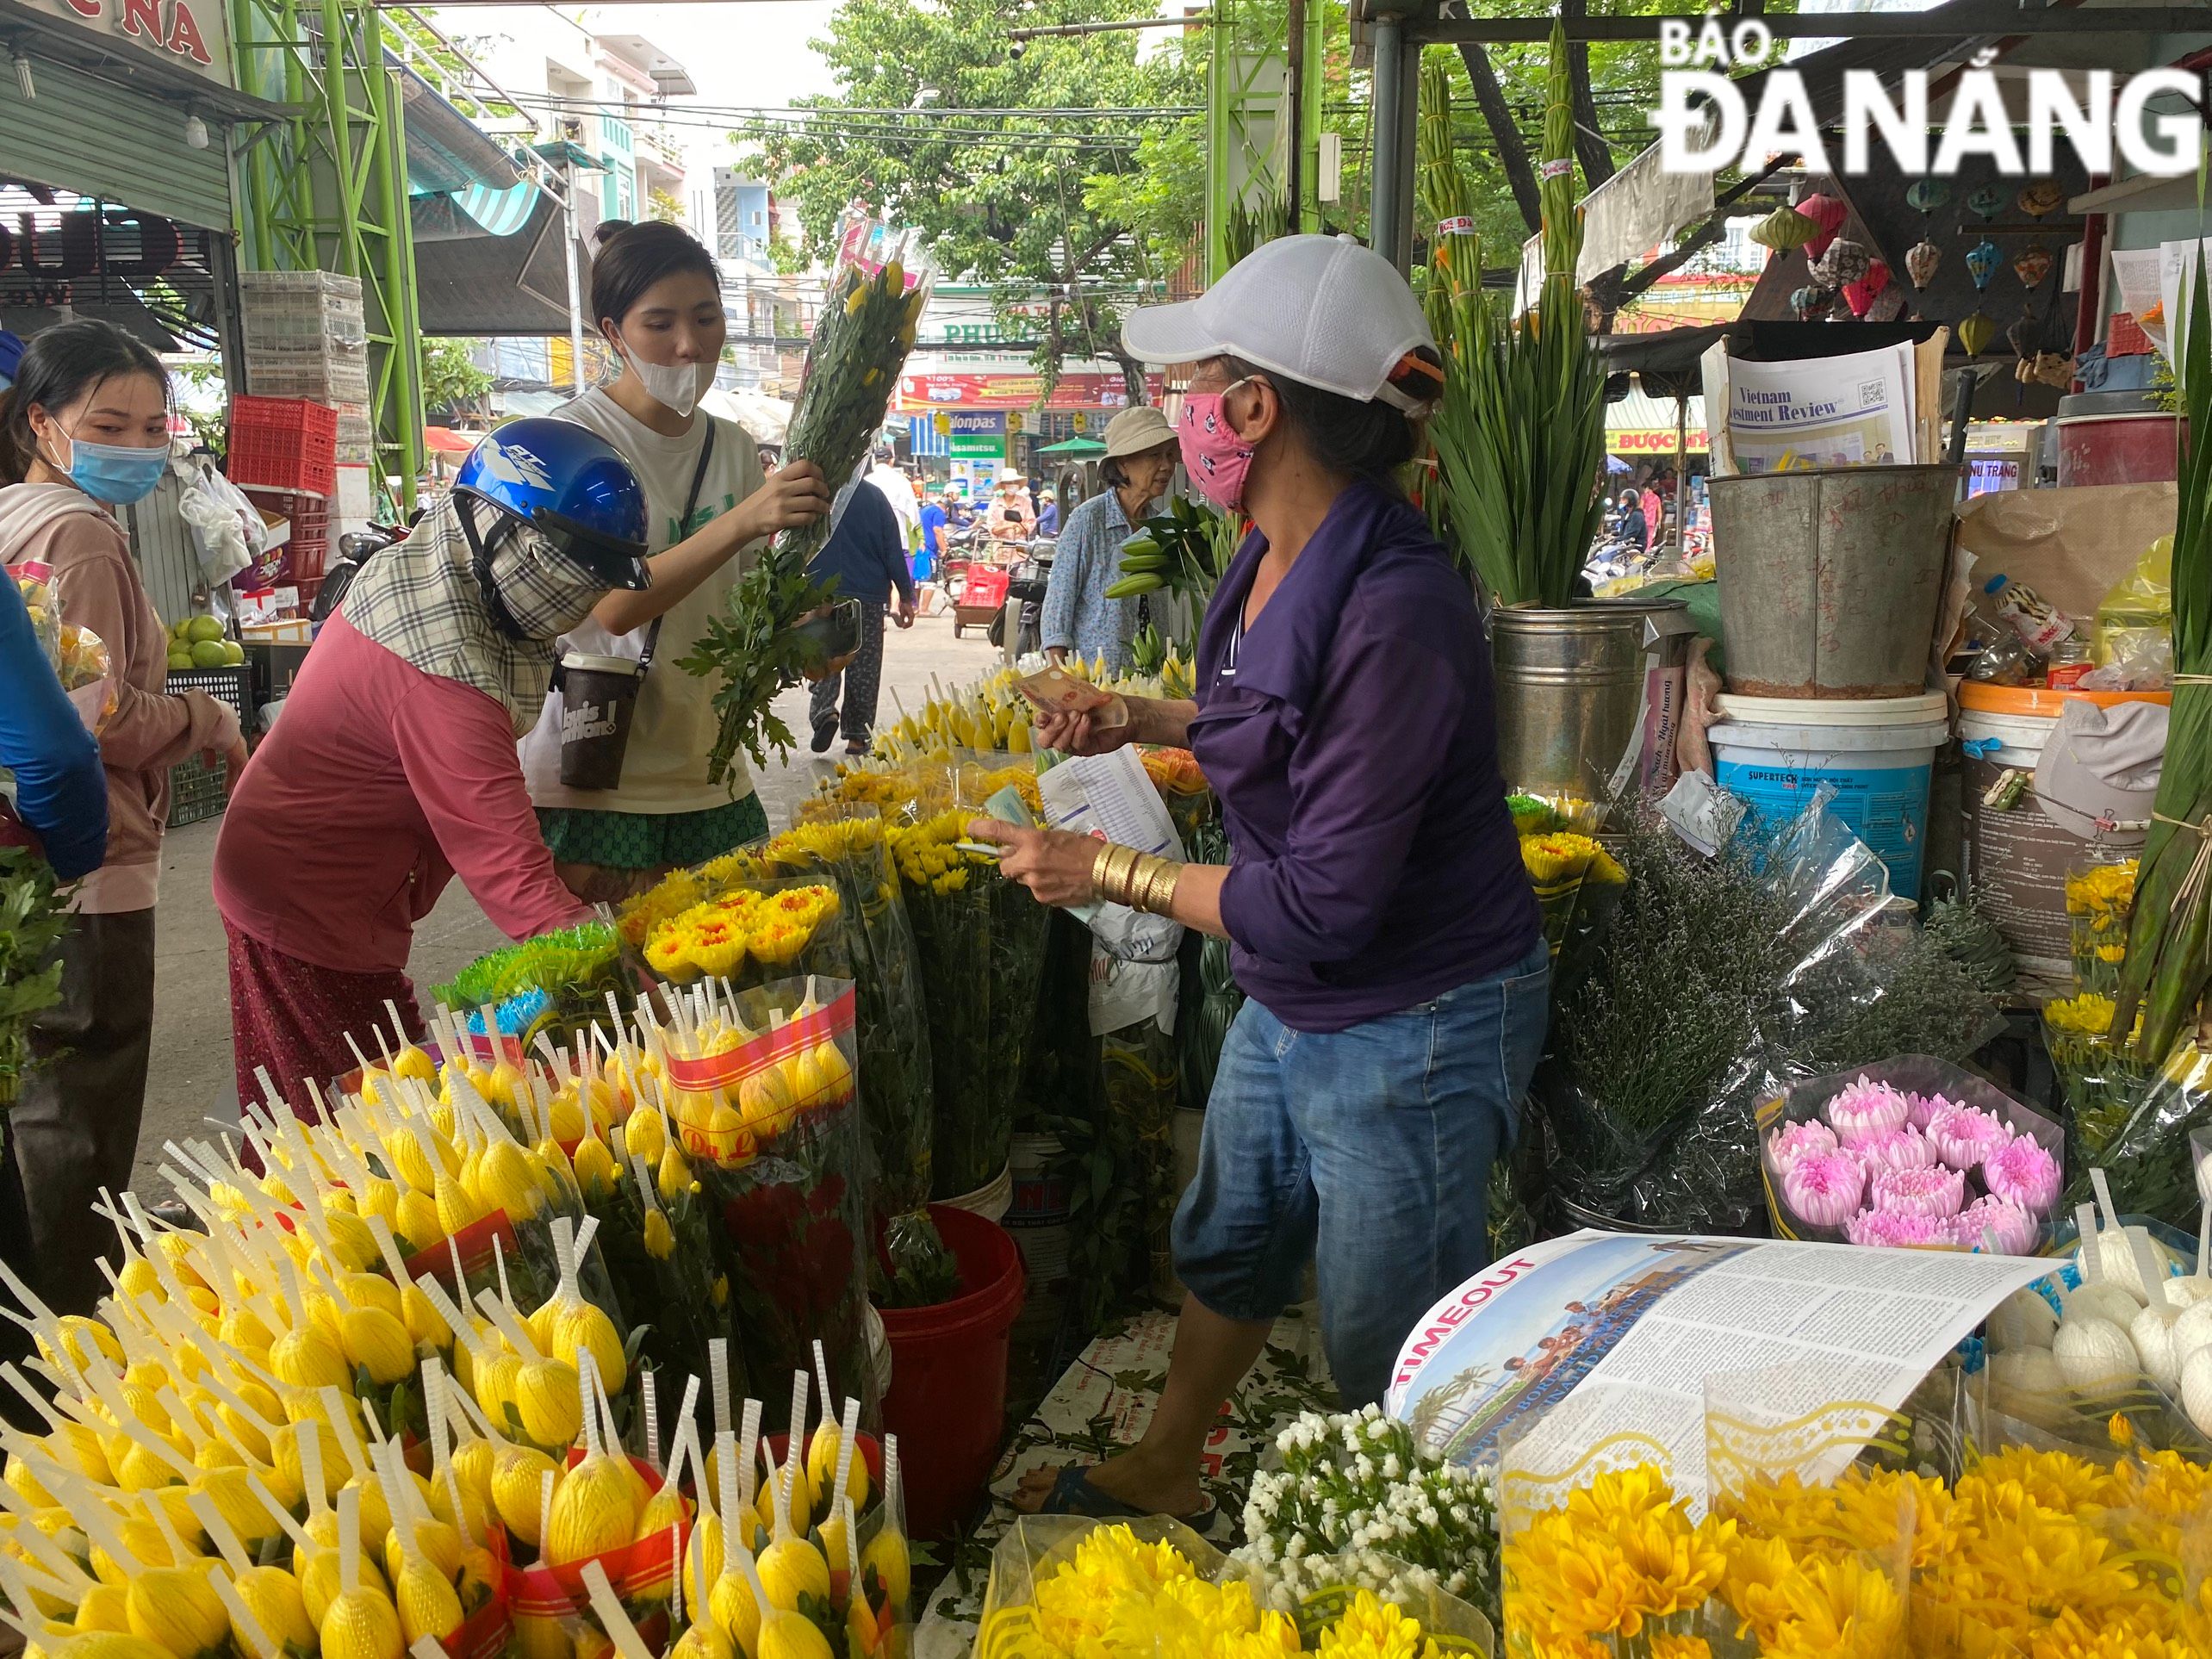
(925, 436)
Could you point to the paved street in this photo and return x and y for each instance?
(191, 1075)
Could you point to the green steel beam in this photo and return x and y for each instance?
(1245, 76)
(329, 191)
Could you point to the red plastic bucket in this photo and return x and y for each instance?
(947, 1400)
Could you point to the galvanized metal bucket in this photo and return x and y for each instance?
(1831, 579)
(1589, 695)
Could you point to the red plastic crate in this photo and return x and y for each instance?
(2127, 338)
(305, 557)
(283, 442)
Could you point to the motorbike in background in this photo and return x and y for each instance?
(355, 549)
(1025, 601)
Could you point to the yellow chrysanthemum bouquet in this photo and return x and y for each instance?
(1063, 1588)
(2100, 899)
(2102, 1077)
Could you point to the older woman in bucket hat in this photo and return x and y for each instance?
(1079, 618)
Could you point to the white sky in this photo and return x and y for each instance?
(739, 52)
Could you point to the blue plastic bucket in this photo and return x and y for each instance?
(1773, 752)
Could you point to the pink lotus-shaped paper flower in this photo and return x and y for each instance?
(1795, 1140)
(1937, 1192)
(1964, 1135)
(2022, 1172)
(1898, 1229)
(1920, 1107)
(1866, 1107)
(2013, 1228)
(1823, 1189)
(1895, 1149)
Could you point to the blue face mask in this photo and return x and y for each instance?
(117, 474)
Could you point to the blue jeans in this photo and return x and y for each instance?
(1369, 1149)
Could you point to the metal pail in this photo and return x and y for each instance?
(1589, 695)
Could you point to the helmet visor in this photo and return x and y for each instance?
(614, 562)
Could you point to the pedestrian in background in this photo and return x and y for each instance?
(1078, 616)
(1048, 515)
(867, 557)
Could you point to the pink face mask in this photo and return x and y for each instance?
(1214, 456)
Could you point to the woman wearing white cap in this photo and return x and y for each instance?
(1078, 616)
(1380, 922)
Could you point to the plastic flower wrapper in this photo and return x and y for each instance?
(656, 1235)
(574, 967)
(1715, 985)
(2100, 1079)
(916, 1270)
(79, 658)
(1350, 1499)
(2148, 1158)
(1860, 1123)
(848, 845)
(747, 928)
(1063, 1586)
(1143, 1088)
(754, 649)
(2100, 900)
(764, 1095)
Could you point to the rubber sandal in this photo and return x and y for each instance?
(1073, 1494)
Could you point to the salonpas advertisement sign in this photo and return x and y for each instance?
(1708, 122)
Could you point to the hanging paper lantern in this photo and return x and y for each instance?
(1981, 263)
(1888, 305)
(1811, 304)
(1976, 332)
(1845, 261)
(1828, 213)
(1861, 295)
(2031, 267)
(2022, 336)
(1920, 262)
(1988, 201)
(2043, 196)
(1783, 229)
(1926, 195)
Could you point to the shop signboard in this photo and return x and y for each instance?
(1656, 441)
(931, 388)
(976, 434)
(193, 34)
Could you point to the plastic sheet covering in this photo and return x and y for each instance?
(2148, 1158)
(1840, 975)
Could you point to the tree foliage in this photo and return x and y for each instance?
(1018, 200)
(451, 378)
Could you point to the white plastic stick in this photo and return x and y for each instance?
(718, 1370)
(608, 1607)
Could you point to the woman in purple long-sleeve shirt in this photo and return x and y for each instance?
(1378, 917)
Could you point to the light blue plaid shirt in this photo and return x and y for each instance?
(1078, 616)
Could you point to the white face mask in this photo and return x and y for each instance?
(675, 386)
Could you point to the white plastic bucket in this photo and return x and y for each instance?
(990, 1200)
(1877, 753)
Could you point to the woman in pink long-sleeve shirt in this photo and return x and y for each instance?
(390, 770)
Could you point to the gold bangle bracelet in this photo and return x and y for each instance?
(1158, 891)
(1110, 875)
(1098, 863)
(1140, 877)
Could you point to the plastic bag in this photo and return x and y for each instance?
(2136, 617)
(762, 1089)
(79, 658)
(1808, 1120)
(1711, 991)
(2100, 898)
(848, 845)
(2147, 1158)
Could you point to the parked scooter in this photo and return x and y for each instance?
(355, 549)
(1025, 600)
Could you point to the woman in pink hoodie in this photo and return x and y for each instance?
(84, 430)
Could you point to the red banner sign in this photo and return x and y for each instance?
(920, 393)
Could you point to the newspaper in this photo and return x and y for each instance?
(1111, 796)
(1859, 410)
(1587, 1337)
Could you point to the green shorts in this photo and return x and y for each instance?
(650, 841)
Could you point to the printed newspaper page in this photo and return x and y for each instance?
(1578, 1338)
(1823, 412)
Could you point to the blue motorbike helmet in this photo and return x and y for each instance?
(567, 483)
